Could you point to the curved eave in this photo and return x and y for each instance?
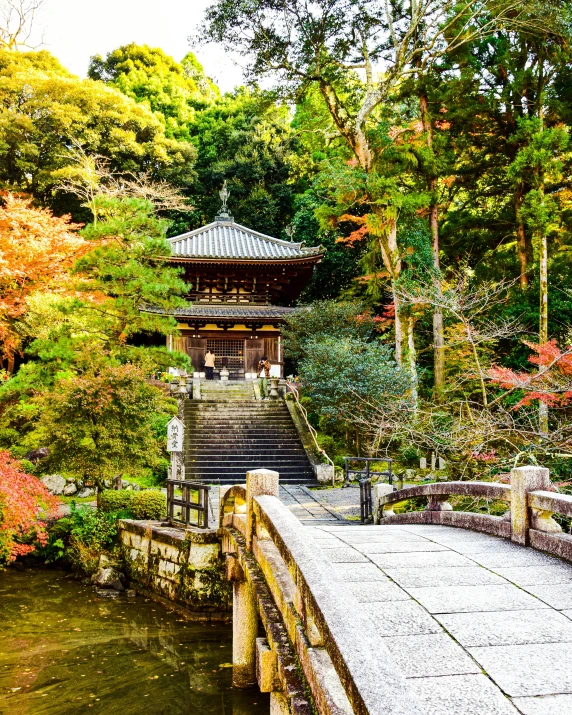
(312, 258)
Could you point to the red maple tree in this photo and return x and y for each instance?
(22, 498)
(551, 383)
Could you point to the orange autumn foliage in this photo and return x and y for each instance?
(37, 250)
(551, 384)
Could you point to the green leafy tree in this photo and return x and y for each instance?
(44, 110)
(101, 422)
(171, 89)
(245, 138)
(346, 378)
(324, 320)
(129, 289)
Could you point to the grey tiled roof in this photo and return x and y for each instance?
(233, 311)
(223, 239)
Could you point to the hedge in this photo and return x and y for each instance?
(149, 504)
(144, 504)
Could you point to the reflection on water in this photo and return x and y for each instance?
(65, 650)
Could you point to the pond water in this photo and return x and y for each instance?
(64, 650)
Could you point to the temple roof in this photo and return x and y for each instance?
(243, 312)
(227, 240)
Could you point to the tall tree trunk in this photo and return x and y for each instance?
(405, 354)
(398, 328)
(412, 361)
(522, 242)
(543, 323)
(438, 336)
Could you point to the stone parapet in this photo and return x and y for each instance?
(346, 668)
(529, 522)
(184, 567)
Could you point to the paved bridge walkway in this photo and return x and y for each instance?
(479, 625)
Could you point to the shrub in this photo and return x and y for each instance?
(82, 536)
(22, 496)
(149, 504)
(116, 500)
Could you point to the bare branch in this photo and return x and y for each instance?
(17, 19)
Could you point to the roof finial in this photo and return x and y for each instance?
(223, 215)
(290, 230)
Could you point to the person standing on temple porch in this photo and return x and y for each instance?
(209, 364)
(263, 367)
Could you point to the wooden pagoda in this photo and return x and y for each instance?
(242, 286)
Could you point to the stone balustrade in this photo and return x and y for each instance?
(528, 522)
(319, 654)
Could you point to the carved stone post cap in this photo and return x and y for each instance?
(530, 478)
(530, 469)
(262, 481)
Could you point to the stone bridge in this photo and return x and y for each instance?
(436, 611)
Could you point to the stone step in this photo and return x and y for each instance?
(221, 417)
(230, 433)
(234, 425)
(266, 439)
(247, 462)
(250, 431)
(263, 464)
(239, 476)
(261, 404)
(254, 452)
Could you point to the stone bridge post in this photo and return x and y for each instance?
(522, 481)
(244, 613)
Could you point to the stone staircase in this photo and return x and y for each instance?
(229, 432)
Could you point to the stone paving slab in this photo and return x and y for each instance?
(365, 537)
(394, 546)
(402, 618)
(558, 596)
(422, 560)
(487, 628)
(544, 705)
(537, 575)
(540, 669)
(464, 535)
(466, 599)
(378, 592)
(448, 576)
(513, 557)
(430, 655)
(478, 547)
(462, 695)
(568, 614)
(358, 572)
(344, 501)
(344, 556)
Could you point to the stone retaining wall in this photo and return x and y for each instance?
(183, 567)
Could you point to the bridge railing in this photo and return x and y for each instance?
(529, 521)
(281, 575)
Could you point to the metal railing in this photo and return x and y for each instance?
(364, 477)
(183, 509)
